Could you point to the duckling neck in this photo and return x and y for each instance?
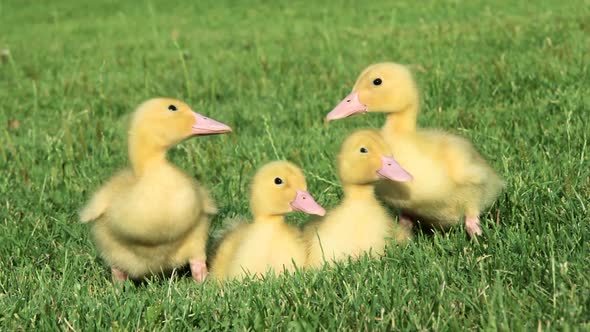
(403, 121)
(359, 192)
(143, 154)
(269, 219)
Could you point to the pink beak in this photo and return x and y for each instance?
(207, 126)
(350, 105)
(392, 170)
(305, 203)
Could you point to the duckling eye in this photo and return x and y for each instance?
(172, 108)
(278, 180)
(377, 81)
(364, 150)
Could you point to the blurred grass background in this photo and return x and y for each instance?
(511, 76)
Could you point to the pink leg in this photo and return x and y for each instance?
(118, 275)
(472, 225)
(198, 269)
(406, 221)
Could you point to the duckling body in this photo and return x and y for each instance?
(355, 227)
(152, 217)
(154, 223)
(360, 224)
(451, 179)
(268, 244)
(261, 247)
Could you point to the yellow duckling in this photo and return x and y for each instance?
(451, 179)
(268, 244)
(360, 223)
(152, 217)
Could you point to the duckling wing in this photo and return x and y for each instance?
(463, 163)
(101, 199)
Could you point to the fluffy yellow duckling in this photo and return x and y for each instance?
(152, 217)
(360, 223)
(268, 244)
(451, 179)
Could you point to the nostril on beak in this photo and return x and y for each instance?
(348, 101)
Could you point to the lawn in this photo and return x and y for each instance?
(514, 77)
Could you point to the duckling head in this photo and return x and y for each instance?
(365, 159)
(278, 188)
(165, 122)
(383, 87)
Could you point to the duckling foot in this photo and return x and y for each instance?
(472, 226)
(118, 275)
(198, 270)
(406, 221)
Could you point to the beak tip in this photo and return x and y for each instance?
(304, 202)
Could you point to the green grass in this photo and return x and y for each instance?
(513, 77)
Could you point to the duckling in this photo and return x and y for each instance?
(152, 217)
(360, 223)
(268, 244)
(451, 179)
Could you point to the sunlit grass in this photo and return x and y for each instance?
(512, 77)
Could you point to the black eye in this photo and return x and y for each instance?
(377, 81)
(364, 150)
(172, 108)
(278, 180)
